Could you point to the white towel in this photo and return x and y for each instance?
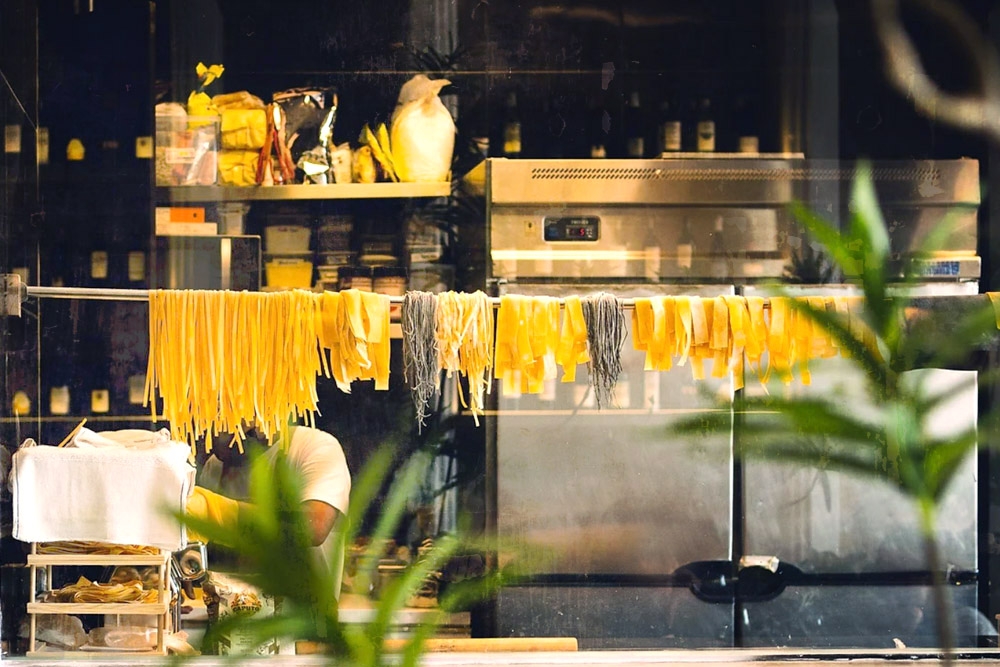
(130, 437)
(101, 490)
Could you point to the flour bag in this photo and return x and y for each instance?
(423, 132)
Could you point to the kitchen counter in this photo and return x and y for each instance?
(754, 657)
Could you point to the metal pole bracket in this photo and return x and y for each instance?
(12, 293)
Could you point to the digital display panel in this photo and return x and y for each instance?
(572, 228)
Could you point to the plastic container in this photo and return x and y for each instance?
(334, 233)
(187, 150)
(328, 266)
(378, 245)
(336, 259)
(421, 254)
(289, 273)
(123, 637)
(286, 238)
(434, 278)
(378, 260)
(354, 277)
(232, 216)
(390, 280)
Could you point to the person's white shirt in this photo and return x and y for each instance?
(319, 459)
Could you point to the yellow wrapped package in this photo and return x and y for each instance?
(243, 129)
(238, 167)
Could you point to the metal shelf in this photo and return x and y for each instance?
(215, 193)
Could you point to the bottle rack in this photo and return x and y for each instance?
(160, 609)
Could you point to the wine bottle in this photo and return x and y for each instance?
(512, 128)
(95, 380)
(746, 127)
(717, 250)
(689, 124)
(635, 141)
(136, 268)
(668, 128)
(685, 248)
(651, 254)
(706, 126)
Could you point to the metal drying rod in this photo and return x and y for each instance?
(13, 292)
(111, 294)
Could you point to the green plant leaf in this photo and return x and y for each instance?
(943, 460)
(869, 238)
(838, 246)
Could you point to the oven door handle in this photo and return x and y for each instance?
(753, 579)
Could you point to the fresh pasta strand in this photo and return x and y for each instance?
(606, 332)
(421, 364)
(465, 338)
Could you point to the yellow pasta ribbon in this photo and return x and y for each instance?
(572, 348)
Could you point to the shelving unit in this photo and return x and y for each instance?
(160, 608)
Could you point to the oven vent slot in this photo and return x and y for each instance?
(905, 174)
(595, 174)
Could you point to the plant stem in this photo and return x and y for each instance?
(939, 581)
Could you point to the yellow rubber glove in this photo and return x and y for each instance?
(211, 506)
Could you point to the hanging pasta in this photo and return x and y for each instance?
(465, 338)
(653, 331)
(572, 347)
(527, 336)
(220, 360)
(354, 332)
(421, 364)
(606, 332)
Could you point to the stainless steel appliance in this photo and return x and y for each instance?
(650, 541)
(845, 557)
(612, 508)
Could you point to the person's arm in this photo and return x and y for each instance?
(321, 518)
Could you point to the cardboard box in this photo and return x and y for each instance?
(183, 221)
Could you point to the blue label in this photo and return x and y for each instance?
(939, 268)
